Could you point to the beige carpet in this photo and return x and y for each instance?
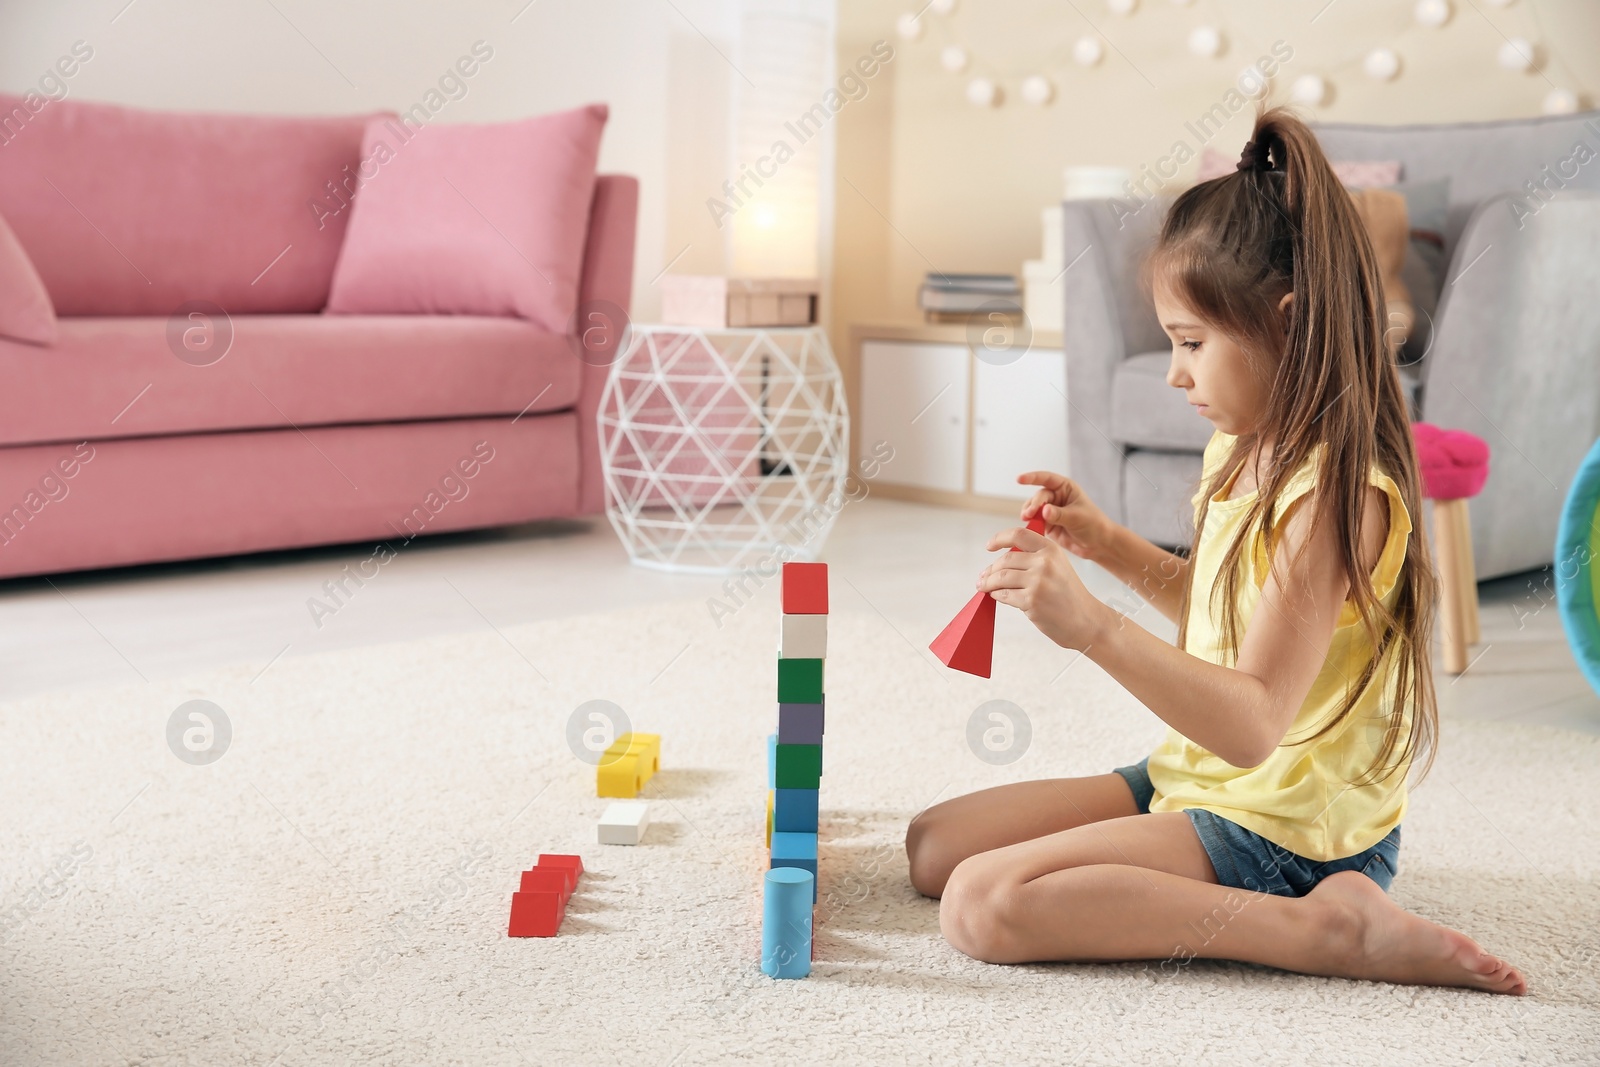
(335, 888)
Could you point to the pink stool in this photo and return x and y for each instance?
(1455, 464)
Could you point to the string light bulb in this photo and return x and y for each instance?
(1205, 41)
(1432, 13)
(1381, 64)
(1309, 89)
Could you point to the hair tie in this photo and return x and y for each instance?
(1254, 157)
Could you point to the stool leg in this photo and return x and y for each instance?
(1452, 617)
(1468, 571)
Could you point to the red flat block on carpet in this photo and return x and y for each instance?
(537, 914)
(572, 864)
(548, 880)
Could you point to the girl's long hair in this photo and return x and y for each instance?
(1229, 249)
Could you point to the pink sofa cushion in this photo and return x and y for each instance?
(158, 498)
(114, 377)
(131, 212)
(26, 313)
(472, 219)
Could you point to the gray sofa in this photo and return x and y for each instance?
(1514, 355)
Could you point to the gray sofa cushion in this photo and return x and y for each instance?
(1427, 208)
(1479, 158)
(1146, 412)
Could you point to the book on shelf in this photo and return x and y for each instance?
(963, 301)
(965, 318)
(999, 284)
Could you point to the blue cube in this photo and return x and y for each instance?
(772, 761)
(795, 811)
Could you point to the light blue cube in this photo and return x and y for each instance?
(796, 850)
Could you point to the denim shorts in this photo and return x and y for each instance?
(1244, 859)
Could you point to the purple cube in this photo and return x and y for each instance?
(800, 724)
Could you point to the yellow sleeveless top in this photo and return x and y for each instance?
(1301, 797)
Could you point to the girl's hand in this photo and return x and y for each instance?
(1038, 579)
(1073, 521)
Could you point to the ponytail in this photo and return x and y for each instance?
(1229, 250)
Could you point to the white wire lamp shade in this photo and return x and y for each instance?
(723, 448)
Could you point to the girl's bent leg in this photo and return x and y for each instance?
(1143, 888)
(945, 834)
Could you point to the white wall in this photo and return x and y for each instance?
(659, 66)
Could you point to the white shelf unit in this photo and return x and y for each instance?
(962, 428)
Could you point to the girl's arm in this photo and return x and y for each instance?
(1074, 522)
(1239, 713)
(1152, 571)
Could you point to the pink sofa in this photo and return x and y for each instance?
(313, 428)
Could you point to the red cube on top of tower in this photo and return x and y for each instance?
(805, 588)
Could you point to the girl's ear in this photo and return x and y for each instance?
(1283, 308)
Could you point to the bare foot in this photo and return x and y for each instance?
(1378, 940)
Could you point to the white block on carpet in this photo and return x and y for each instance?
(624, 822)
(804, 637)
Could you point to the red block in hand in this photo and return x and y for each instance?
(805, 588)
(967, 644)
(537, 914)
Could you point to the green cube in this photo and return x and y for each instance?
(799, 767)
(800, 681)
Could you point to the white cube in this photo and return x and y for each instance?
(624, 822)
(1054, 224)
(1044, 295)
(804, 637)
(1095, 183)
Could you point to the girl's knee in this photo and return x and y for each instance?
(977, 915)
(927, 855)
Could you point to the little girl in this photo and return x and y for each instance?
(1266, 827)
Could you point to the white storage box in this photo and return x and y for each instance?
(1044, 295)
(1053, 223)
(1094, 183)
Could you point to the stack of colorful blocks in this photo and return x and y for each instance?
(538, 907)
(794, 753)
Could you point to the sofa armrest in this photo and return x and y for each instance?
(608, 277)
(1516, 360)
(1106, 319)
